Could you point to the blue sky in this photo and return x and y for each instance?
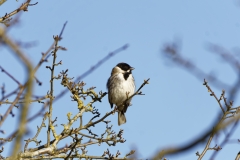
(176, 108)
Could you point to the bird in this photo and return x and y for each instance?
(121, 85)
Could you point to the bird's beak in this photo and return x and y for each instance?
(132, 68)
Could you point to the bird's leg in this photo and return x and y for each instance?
(126, 104)
(115, 109)
(127, 94)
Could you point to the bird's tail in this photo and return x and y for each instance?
(121, 118)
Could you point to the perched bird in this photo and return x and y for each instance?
(120, 86)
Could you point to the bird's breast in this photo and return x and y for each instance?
(119, 87)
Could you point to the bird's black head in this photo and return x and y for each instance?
(124, 66)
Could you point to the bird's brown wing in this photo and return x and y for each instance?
(109, 97)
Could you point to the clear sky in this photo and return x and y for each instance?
(176, 108)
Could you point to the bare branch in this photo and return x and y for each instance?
(23, 7)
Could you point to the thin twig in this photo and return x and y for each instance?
(14, 79)
(213, 94)
(36, 135)
(23, 7)
(56, 38)
(11, 106)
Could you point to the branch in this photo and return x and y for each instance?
(19, 102)
(171, 51)
(27, 85)
(219, 125)
(238, 156)
(12, 105)
(34, 139)
(23, 7)
(14, 79)
(213, 94)
(56, 38)
(46, 55)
